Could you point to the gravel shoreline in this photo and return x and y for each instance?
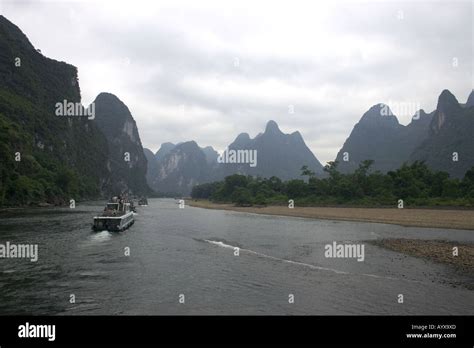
(439, 251)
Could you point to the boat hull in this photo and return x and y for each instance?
(113, 223)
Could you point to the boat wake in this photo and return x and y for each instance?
(100, 236)
(224, 244)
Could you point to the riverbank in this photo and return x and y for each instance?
(436, 218)
(434, 250)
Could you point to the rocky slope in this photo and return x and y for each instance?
(449, 145)
(379, 136)
(433, 138)
(48, 154)
(126, 160)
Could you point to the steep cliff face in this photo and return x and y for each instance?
(45, 157)
(449, 146)
(180, 169)
(52, 148)
(211, 154)
(152, 166)
(175, 169)
(164, 150)
(126, 159)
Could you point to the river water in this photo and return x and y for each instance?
(188, 255)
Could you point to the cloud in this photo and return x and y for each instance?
(212, 70)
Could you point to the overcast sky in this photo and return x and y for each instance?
(209, 70)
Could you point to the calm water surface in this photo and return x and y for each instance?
(190, 251)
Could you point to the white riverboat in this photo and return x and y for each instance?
(117, 216)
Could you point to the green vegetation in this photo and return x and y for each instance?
(415, 183)
(36, 177)
(43, 158)
(31, 173)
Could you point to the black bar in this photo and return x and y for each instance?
(288, 330)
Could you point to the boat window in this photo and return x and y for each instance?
(112, 206)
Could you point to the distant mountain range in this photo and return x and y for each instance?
(442, 138)
(175, 169)
(435, 138)
(48, 156)
(281, 155)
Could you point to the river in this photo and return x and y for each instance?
(183, 261)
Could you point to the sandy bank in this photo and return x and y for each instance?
(438, 218)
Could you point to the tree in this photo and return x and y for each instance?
(331, 169)
(241, 197)
(413, 182)
(275, 184)
(307, 172)
(296, 188)
(364, 168)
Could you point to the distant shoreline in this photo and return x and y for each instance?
(435, 218)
